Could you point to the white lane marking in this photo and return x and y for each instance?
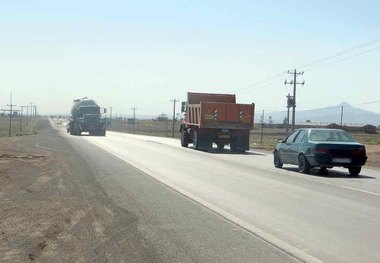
(335, 185)
(358, 190)
(280, 244)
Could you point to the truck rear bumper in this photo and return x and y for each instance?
(226, 125)
(88, 128)
(226, 136)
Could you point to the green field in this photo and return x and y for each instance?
(269, 138)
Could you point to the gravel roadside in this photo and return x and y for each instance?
(52, 209)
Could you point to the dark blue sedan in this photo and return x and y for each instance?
(322, 148)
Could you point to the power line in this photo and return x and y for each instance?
(259, 83)
(371, 42)
(5, 102)
(347, 58)
(340, 53)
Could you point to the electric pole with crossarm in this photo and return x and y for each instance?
(294, 83)
(174, 102)
(10, 115)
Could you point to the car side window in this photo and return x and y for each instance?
(306, 137)
(300, 137)
(292, 136)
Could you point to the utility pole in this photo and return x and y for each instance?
(134, 118)
(174, 102)
(294, 83)
(290, 103)
(134, 112)
(31, 110)
(341, 117)
(110, 117)
(10, 116)
(22, 110)
(262, 127)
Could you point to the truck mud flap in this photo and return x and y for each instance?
(242, 142)
(205, 142)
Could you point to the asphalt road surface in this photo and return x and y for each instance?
(238, 207)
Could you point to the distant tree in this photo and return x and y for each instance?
(285, 121)
(162, 117)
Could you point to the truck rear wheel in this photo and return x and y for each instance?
(233, 146)
(196, 140)
(184, 139)
(75, 130)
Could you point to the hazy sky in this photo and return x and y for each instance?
(143, 53)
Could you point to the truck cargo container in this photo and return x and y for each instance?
(216, 118)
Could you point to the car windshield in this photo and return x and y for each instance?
(330, 135)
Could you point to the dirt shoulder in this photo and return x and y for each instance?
(53, 210)
(373, 152)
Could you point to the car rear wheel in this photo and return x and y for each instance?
(276, 160)
(323, 170)
(303, 165)
(354, 171)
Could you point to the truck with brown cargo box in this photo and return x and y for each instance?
(216, 118)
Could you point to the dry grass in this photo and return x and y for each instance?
(27, 128)
(147, 127)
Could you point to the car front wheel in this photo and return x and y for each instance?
(276, 160)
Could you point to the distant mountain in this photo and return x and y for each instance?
(331, 114)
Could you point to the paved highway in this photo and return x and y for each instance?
(314, 218)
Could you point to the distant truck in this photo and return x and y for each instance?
(86, 117)
(216, 118)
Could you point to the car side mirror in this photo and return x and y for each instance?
(183, 106)
(280, 140)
